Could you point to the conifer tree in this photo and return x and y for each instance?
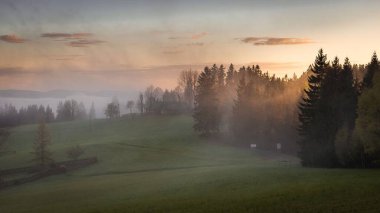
(221, 76)
(42, 154)
(206, 112)
(309, 125)
(372, 68)
(49, 115)
(345, 116)
(349, 96)
(230, 76)
(243, 117)
(239, 110)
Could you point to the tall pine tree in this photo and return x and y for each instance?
(309, 128)
(348, 96)
(372, 68)
(345, 116)
(230, 76)
(240, 112)
(206, 111)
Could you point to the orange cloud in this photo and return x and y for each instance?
(275, 41)
(199, 36)
(12, 39)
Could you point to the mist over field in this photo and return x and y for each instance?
(100, 101)
(189, 106)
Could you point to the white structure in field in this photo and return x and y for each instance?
(278, 146)
(253, 146)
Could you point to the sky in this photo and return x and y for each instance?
(98, 45)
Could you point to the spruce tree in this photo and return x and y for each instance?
(239, 111)
(327, 120)
(345, 115)
(372, 68)
(244, 121)
(230, 76)
(221, 77)
(349, 95)
(309, 125)
(206, 111)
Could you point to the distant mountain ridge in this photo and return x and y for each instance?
(11, 93)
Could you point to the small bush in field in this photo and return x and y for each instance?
(75, 152)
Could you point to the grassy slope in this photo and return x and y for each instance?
(158, 164)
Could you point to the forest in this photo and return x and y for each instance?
(327, 116)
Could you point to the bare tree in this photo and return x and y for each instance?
(130, 105)
(153, 97)
(187, 81)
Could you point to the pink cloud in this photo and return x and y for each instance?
(12, 39)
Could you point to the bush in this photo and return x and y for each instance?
(75, 152)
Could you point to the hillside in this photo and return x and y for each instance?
(157, 164)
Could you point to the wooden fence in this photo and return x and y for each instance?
(38, 172)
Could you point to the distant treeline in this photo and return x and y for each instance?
(66, 111)
(155, 100)
(10, 116)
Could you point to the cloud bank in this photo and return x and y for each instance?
(66, 35)
(258, 41)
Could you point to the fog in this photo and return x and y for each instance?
(99, 102)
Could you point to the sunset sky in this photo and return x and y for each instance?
(120, 45)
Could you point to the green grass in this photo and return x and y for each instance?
(157, 164)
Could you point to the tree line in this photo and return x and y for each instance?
(339, 115)
(67, 110)
(157, 101)
(247, 104)
(10, 116)
(329, 115)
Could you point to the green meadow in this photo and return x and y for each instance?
(158, 164)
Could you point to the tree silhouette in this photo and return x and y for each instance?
(113, 109)
(130, 106)
(309, 129)
(206, 112)
(372, 68)
(43, 156)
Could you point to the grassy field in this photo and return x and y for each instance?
(157, 164)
